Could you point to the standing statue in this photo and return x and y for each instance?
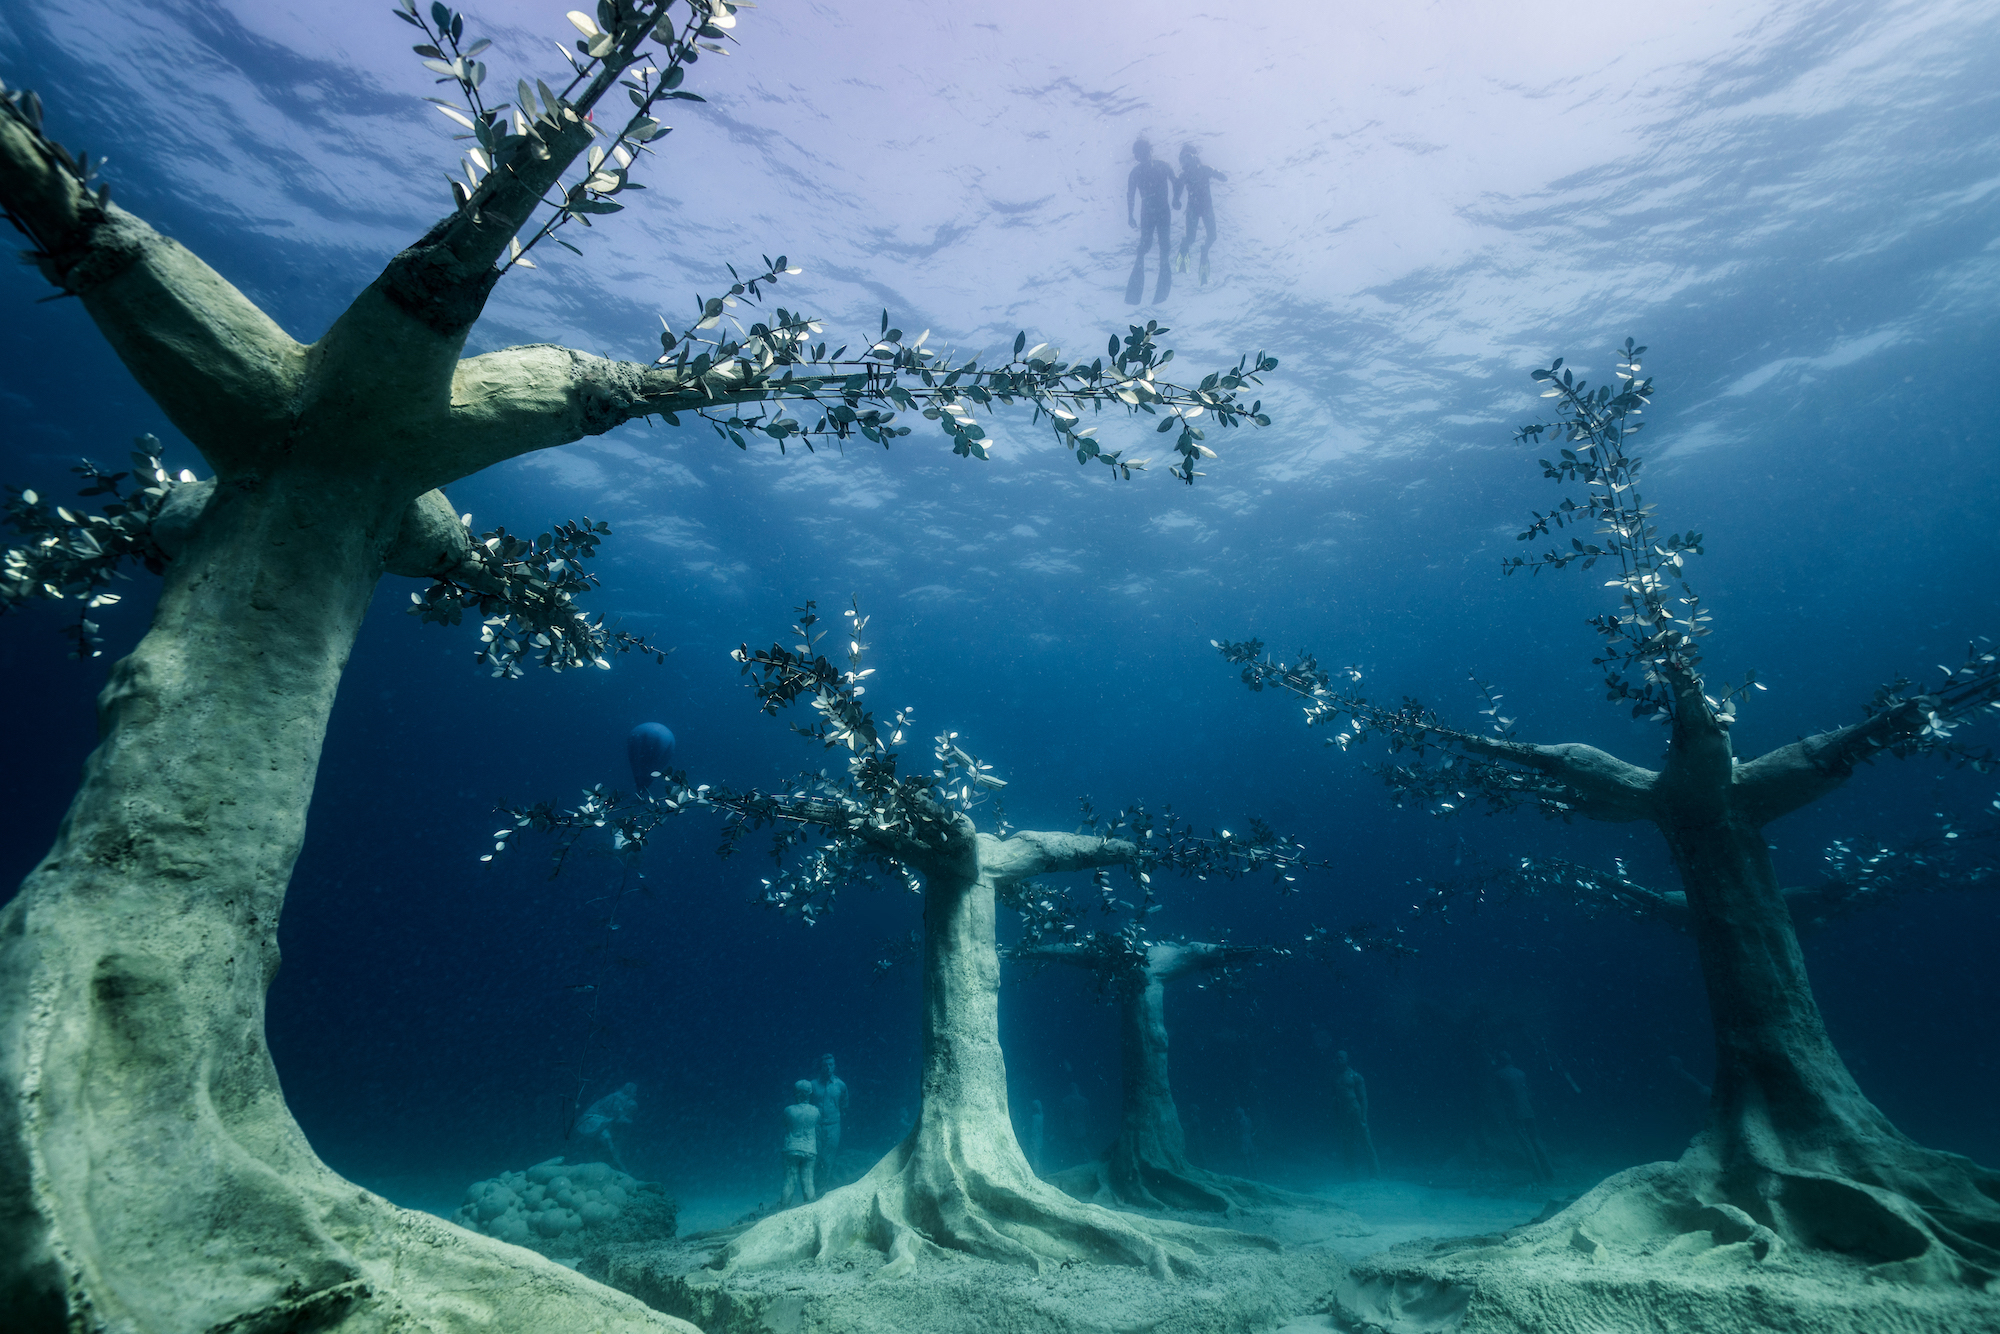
(1246, 1140)
(613, 1109)
(1076, 1121)
(829, 1094)
(1518, 1108)
(1350, 1114)
(801, 1145)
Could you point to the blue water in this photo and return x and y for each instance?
(1797, 206)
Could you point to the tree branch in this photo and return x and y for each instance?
(1605, 787)
(1171, 959)
(1586, 780)
(1077, 956)
(221, 369)
(1900, 724)
(1780, 781)
(1029, 853)
(538, 396)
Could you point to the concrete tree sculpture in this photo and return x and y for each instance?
(150, 1174)
(1147, 1165)
(959, 1181)
(1794, 1153)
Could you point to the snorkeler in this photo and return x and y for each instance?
(1149, 183)
(1194, 179)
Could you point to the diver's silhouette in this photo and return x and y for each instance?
(1149, 183)
(1194, 178)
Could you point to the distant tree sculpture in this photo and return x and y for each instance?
(959, 1181)
(1794, 1152)
(1147, 1165)
(150, 1174)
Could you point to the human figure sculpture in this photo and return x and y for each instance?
(829, 1094)
(1195, 1134)
(593, 1128)
(801, 1145)
(1519, 1109)
(1076, 1120)
(1150, 184)
(1350, 1107)
(1037, 1125)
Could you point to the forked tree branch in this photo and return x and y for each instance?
(221, 369)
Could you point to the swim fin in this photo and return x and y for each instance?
(1135, 286)
(1204, 270)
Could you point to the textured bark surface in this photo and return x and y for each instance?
(959, 1181)
(1645, 1250)
(1800, 1207)
(151, 1177)
(1792, 1140)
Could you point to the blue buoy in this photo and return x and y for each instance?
(651, 750)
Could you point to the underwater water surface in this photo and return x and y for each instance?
(1795, 206)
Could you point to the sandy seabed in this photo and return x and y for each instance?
(1324, 1279)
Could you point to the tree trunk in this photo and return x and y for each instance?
(1792, 1140)
(1147, 1165)
(151, 1177)
(959, 1181)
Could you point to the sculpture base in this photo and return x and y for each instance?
(959, 1294)
(1636, 1255)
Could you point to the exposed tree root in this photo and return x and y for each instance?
(168, 1189)
(1911, 1213)
(939, 1191)
(1145, 1183)
(1670, 1237)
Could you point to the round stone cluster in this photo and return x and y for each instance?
(556, 1207)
